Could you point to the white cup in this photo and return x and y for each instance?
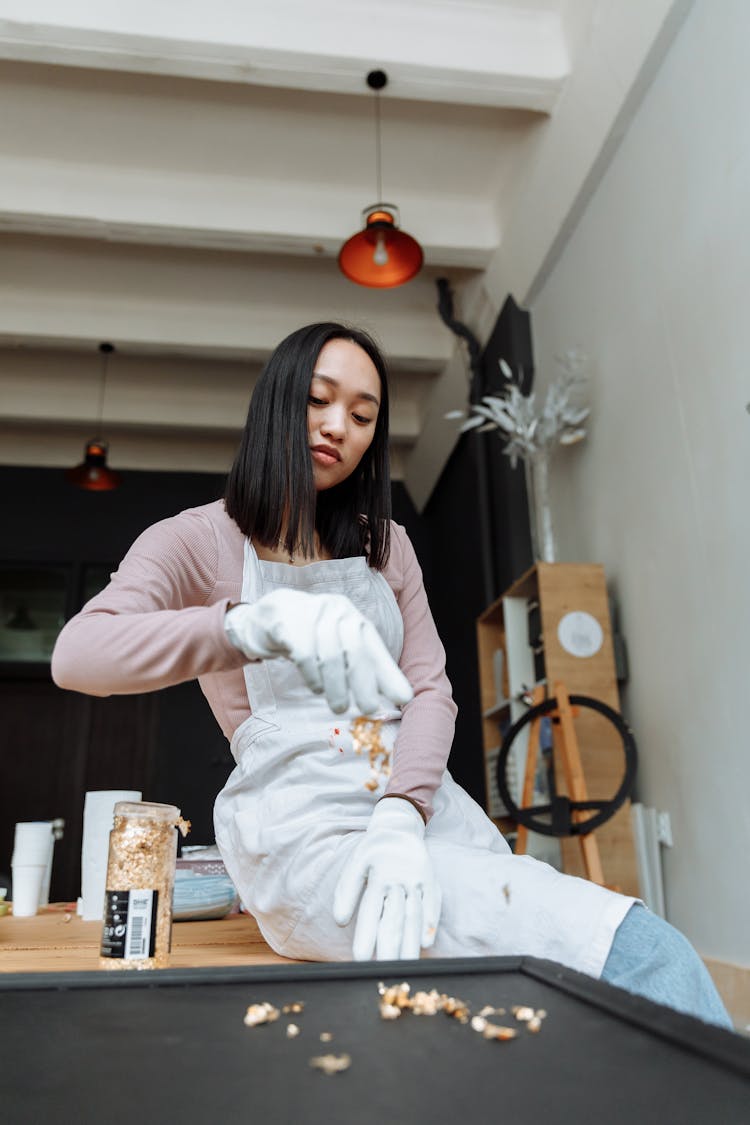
(28, 880)
(33, 842)
(98, 816)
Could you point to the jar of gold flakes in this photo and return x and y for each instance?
(137, 930)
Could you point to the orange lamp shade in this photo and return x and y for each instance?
(380, 255)
(94, 474)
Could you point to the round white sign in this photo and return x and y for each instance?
(580, 634)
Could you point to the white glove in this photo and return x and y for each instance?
(400, 907)
(337, 650)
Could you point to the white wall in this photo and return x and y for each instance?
(654, 286)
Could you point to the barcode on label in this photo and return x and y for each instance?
(138, 940)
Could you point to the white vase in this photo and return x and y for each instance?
(540, 512)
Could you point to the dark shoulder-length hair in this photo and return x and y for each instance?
(272, 471)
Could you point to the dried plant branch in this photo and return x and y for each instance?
(525, 429)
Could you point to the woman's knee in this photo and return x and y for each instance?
(651, 958)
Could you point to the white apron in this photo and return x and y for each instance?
(295, 805)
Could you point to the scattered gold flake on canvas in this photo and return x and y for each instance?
(395, 999)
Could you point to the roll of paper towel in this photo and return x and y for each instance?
(98, 815)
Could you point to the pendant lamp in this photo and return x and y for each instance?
(94, 474)
(380, 256)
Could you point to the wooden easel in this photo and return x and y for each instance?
(566, 752)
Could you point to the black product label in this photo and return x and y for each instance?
(129, 930)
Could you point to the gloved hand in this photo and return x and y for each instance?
(400, 907)
(337, 650)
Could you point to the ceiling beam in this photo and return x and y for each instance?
(171, 395)
(465, 240)
(472, 54)
(73, 294)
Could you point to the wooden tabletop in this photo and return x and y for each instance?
(57, 940)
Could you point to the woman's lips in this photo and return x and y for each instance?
(325, 457)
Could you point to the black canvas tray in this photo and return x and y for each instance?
(171, 1047)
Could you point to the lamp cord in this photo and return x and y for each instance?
(102, 385)
(377, 147)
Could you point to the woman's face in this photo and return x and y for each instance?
(342, 411)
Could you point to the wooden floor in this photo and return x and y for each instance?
(59, 941)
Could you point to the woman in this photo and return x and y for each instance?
(300, 608)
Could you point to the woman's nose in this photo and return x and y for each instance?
(333, 423)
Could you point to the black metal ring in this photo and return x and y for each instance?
(607, 807)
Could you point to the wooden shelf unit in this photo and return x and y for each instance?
(551, 591)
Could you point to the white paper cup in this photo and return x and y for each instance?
(44, 892)
(98, 816)
(33, 842)
(27, 887)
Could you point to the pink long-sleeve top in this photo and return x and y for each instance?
(160, 621)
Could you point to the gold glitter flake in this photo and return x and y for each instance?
(366, 736)
(532, 1019)
(331, 1064)
(257, 1014)
(492, 1030)
(396, 999)
(389, 1012)
(393, 1000)
(427, 1003)
(460, 1011)
(522, 1013)
(495, 1031)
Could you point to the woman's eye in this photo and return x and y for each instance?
(315, 401)
(359, 418)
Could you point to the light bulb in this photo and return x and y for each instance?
(380, 257)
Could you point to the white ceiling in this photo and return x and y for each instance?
(178, 178)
